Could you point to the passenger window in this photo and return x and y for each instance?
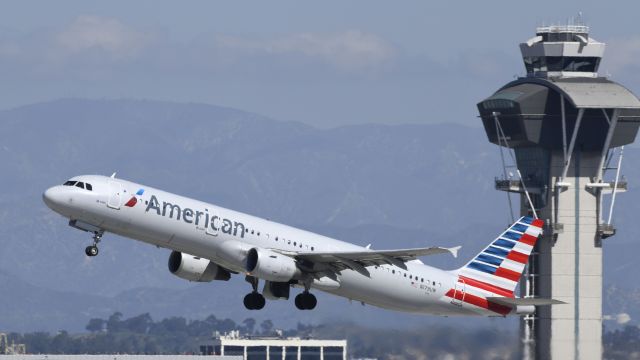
(312, 248)
(80, 184)
(88, 187)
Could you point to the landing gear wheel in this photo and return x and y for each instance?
(254, 301)
(91, 250)
(260, 302)
(306, 301)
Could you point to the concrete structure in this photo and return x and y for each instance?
(10, 349)
(563, 123)
(276, 348)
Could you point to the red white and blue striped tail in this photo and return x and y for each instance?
(499, 266)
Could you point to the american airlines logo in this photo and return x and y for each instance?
(211, 222)
(133, 201)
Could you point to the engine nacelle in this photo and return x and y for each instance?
(269, 265)
(194, 268)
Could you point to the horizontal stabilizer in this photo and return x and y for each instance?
(512, 302)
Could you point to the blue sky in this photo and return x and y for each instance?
(324, 63)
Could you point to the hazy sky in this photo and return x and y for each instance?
(325, 63)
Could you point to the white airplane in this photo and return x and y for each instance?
(212, 243)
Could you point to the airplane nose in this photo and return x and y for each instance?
(53, 197)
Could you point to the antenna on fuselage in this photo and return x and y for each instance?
(113, 176)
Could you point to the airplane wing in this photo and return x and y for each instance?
(511, 302)
(359, 260)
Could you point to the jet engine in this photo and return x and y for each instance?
(194, 268)
(269, 265)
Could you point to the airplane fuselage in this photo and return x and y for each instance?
(225, 236)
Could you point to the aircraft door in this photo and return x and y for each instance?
(115, 195)
(458, 293)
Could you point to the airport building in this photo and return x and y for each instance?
(561, 131)
(275, 348)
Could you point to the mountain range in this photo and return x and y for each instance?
(389, 186)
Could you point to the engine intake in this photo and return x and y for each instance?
(194, 268)
(269, 265)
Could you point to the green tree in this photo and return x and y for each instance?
(138, 324)
(249, 325)
(114, 322)
(96, 325)
(266, 327)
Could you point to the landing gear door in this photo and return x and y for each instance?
(115, 195)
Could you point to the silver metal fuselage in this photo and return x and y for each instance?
(418, 289)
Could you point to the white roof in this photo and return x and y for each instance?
(588, 93)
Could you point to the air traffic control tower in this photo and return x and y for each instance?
(564, 126)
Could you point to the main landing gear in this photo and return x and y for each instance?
(306, 301)
(253, 300)
(92, 250)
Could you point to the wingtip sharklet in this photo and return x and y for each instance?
(454, 250)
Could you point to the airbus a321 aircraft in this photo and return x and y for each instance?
(213, 243)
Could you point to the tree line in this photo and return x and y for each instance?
(176, 335)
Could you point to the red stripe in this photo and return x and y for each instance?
(538, 223)
(528, 239)
(484, 286)
(507, 274)
(479, 302)
(518, 257)
(132, 202)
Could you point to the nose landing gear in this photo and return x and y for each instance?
(92, 250)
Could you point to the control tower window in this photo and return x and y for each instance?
(586, 64)
(561, 63)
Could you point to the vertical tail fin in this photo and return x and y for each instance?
(499, 266)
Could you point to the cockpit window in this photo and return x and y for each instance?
(79, 184)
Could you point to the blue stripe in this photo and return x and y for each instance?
(482, 267)
(495, 251)
(504, 243)
(519, 227)
(511, 235)
(489, 259)
(526, 220)
(140, 192)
